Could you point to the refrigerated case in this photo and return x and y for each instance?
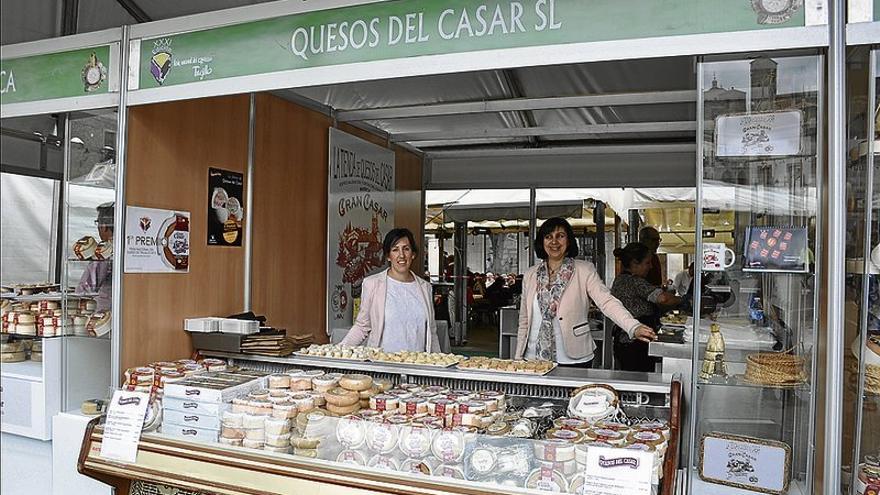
(861, 426)
(753, 380)
(506, 463)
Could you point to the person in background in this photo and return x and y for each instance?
(650, 237)
(555, 303)
(397, 311)
(682, 281)
(98, 276)
(642, 299)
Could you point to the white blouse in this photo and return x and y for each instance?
(405, 317)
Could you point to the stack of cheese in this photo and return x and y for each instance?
(37, 351)
(563, 453)
(193, 407)
(12, 352)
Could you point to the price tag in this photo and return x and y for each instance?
(612, 471)
(122, 428)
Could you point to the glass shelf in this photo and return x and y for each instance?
(739, 382)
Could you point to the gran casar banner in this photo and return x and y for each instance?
(360, 213)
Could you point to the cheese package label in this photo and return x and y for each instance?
(193, 406)
(181, 418)
(202, 435)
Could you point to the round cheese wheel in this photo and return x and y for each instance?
(384, 402)
(279, 440)
(351, 457)
(279, 381)
(355, 382)
(351, 431)
(364, 403)
(341, 397)
(284, 410)
(300, 442)
(325, 383)
(235, 442)
(312, 453)
(366, 394)
(251, 421)
(343, 410)
(383, 384)
(277, 426)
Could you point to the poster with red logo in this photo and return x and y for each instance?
(156, 241)
(360, 213)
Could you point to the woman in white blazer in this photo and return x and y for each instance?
(553, 314)
(397, 310)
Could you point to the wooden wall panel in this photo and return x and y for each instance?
(170, 148)
(408, 200)
(290, 212)
(290, 216)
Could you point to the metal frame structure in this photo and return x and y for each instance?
(820, 32)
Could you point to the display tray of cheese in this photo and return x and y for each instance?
(438, 359)
(519, 367)
(337, 351)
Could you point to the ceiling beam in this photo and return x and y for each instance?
(134, 10)
(519, 104)
(467, 134)
(606, 149)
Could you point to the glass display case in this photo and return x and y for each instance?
(421, 429)
(58, 183)
(754, 317)
(861, 432)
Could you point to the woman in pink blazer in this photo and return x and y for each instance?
(397, 310)
(553, 314)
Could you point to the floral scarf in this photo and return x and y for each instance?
(549, 293)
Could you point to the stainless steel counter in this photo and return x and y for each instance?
(624, 381)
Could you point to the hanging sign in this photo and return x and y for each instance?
(156, 241)
(361, 211)
(55, 75)
(758, 134)
(611, 471)
(400, 29)
(225, 211)
(123, 426)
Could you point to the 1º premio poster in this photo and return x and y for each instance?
(360, 213)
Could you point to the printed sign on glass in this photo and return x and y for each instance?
(776, 249)
(758, 134)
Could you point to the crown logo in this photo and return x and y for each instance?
(162, 45)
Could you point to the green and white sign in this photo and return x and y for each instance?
(55, 75)
(408, 28)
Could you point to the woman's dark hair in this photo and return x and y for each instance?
(633, 252)
(395, 235)
(548, 227)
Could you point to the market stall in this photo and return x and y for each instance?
(253, 92)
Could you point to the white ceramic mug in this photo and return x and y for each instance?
(715, 257)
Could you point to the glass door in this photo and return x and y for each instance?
(754, 358)
(88, 253)
(861, 433)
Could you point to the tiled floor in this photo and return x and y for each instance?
(25, 466)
